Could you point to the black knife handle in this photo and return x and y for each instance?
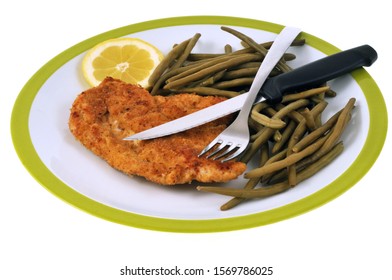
(318, 72)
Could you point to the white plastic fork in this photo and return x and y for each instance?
(234, 139)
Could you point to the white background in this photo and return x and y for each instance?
(42, 237)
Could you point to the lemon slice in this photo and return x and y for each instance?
(130, 59)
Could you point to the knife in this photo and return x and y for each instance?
(307, 76)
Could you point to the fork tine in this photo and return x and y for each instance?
(235, 154)
(222, 145)
(210, 146)
(230, 149)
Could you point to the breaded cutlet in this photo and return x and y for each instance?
(102, 116)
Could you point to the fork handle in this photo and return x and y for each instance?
(318, 72)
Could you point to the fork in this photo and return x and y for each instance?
(235, 138)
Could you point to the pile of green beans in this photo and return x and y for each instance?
(301, 149)
(226, 74)
(289, 138)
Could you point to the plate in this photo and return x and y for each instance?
(39, 127)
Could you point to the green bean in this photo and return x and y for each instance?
(284, 67)
(210, 70)
(191, 44)
(208, 81)
(330, 93)
(203, 56)
(293, 114)
(291, 159)
(209, 91)
(198, 59)
(292, 175)
(262, 137)
(239, 73)
(166, 61)
(236, 200)
(277, 135)
(289, 56)
(267, 45)
(160, 73)
(233, 83)
(195, 67)
(276, 157)
(278, 187)
(304, 94)
(317, 112)
(338, 129)
(254, 126)
(298, 132)
(300, 165)
(165, 76)
(264, 155)
(250, 184)
(206, 56)
(266, 133)
(287, 132)
(162, 80)
(228, 49)
(319, 108)
(260, 106)
(297, 117)
(253, 64)
(310, 122)
(311, 137)
(249, 41)
(266, 121)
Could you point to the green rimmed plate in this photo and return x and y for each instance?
(39, 127)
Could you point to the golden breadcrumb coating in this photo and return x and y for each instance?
(102, 116)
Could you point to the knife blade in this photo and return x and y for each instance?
(310, 75)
